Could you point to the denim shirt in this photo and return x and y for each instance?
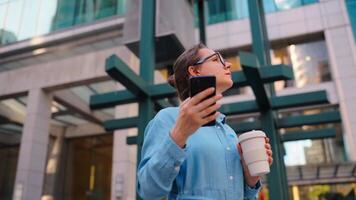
(208, 167)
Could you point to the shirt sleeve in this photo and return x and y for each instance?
(251, 193)
(161, 159)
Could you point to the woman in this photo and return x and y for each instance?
(181, 159)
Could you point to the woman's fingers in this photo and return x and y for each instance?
(270, 160)
(210, 118)
(208, 111)
(208, 102)
(201, 95)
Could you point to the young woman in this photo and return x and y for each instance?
(181, 159)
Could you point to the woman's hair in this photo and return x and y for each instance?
(180, 77)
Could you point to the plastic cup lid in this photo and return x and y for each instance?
(251, 134)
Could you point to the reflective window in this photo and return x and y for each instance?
(309, 60)
(310, 63)
(311, 152)
(23, 19)
(88, 168)
(351, 7)
(226, 10)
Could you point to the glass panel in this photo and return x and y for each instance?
(83, 92)
(8, 155)
(104, 87)
(88, 168)
(71, 119)
(30, 14)
(226, 10)
(23, 19)
(351, 7)
(310, 63)
(12, 114)
(13, 19)
(45, 17)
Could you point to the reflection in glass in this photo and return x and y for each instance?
(310, 63)
(23, 19)
(88, 168)
(227, 10)
(351, 7)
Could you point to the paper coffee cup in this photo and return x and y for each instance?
(254, 152)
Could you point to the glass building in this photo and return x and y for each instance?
(52, 59)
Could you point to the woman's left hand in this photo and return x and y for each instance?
(252, 180)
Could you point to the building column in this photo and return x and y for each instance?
(342, 52)
(52, 168)
(33, 148)
(123, 181)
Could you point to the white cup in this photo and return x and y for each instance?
(254, 152)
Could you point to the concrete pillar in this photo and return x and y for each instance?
(123, 182)
(342, 53)
(33, 149)
(53, 164)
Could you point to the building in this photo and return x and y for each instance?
(52, 57)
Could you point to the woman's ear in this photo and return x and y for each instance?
(193, 71)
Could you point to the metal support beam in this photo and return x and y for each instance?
(202, 21)
(122, 73)
(115, 124)
(164, 90)
(299, 100)
(321, 118)
(239, 108)
(147, 68)
(277, 178)
(111, 99)
(250, 67)
(312, 135)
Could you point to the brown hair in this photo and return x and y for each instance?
(180, 77)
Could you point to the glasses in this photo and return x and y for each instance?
(201, 61)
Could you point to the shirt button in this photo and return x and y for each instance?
(228, 148)
(231, 177)
(176, 168)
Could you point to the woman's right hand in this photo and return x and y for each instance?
(193, 113)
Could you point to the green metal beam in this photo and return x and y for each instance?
(312, 134)
(250, 67)
(122, 73)
(111, 99)
(315, 119)
(274, 73)
(115, 124)
(160, 91)
(164, 90)
(239, 108)
(202, 21)
(298, 100)
(246, 126)
(131, 140)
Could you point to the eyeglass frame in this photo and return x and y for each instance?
(201, 61)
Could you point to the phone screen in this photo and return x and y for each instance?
(201, 83)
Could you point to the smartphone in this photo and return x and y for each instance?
(201, 83)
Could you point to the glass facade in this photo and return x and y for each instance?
(310, 62)
(351, 7)
(227, 10)
(24, 19)
(88, 168)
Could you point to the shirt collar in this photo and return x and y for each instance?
(221, 118)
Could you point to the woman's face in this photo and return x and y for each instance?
(213, 66)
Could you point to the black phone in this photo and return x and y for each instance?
(201, 83)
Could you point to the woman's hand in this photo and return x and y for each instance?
(252, 180)
(193, 113)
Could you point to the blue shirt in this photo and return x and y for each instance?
(208, 167)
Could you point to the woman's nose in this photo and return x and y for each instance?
(227, 65)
